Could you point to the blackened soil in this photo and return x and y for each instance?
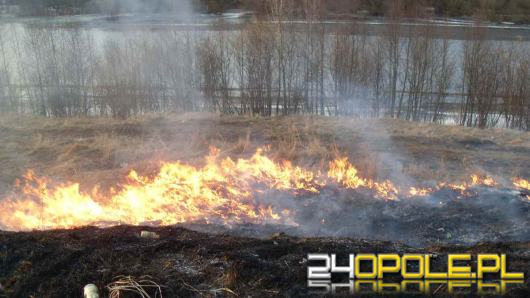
(193, 264)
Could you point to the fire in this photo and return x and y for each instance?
(521, 183)
(421, 192)
(225, 191)
(345, 174)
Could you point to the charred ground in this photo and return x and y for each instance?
(193, 264)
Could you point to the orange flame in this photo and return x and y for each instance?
(222, 191)
(521, 183)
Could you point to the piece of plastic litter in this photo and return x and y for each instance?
(91, 291)
(149, 235)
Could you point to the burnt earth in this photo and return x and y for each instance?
(483, 214)
(190, 264)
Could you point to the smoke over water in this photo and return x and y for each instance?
(180, 7)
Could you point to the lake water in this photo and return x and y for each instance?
(193, 27)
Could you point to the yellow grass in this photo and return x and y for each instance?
(100, 150)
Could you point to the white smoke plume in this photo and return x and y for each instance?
(114, 7)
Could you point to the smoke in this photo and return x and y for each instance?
(115, 7)
(374, 136)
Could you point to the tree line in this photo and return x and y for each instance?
(271, 67)
(69, 7)
(517, 11)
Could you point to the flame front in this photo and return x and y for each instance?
(521, 183)
(222, 191)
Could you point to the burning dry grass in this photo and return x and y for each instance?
(115, 172)
(97, 151)
(102, 152)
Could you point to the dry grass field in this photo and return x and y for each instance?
(97, 151)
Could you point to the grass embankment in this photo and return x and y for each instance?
(97, 151)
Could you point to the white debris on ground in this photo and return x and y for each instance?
(149, 235)
(91, 291)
